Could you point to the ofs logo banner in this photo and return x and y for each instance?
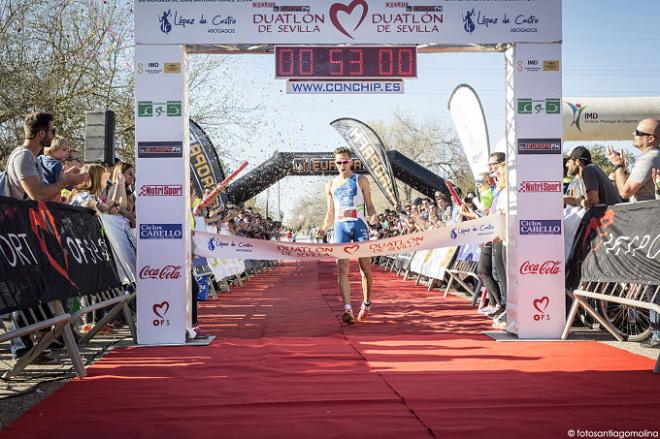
(539, 106)
(539, 146)
(540, 227)
(150, 150)
(158, 109)
(161, 231)
(344, 87)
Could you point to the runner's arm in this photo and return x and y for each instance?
(366, 191)
(330, 211)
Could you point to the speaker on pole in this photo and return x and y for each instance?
(99, 137)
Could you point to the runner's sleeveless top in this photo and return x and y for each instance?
(348, 198)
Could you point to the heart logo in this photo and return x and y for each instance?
(541, 304)
(351, 249)
(339, 7)
(160, 309)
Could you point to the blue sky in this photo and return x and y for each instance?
(610, 48)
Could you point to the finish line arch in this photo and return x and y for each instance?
(284, 164)
(529, 35)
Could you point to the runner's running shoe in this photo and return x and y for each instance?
(348, 317)
(364, 312)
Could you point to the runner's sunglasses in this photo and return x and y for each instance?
(342, 162)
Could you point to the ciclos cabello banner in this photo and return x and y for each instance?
(219, 246)
(51, 251)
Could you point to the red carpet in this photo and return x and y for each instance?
(283, 366)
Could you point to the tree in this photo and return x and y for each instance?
(69, 56)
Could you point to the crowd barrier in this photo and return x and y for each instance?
(613, 270)
(52, 253)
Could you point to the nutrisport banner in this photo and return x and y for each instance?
(619, 243)
(51, 251)
(370, 150)
(219, 246)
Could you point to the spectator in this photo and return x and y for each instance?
(640, 184)
(596, 186)
(444, 207)
(121, 189)
(53, 158)
(88, 193)
(485, 191)
(485, 269)
(25, 175)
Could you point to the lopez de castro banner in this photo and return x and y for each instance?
(619, 243)
(50, 251)
(370, 149)
(206, 170)
(476, 231)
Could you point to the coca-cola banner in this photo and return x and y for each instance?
(619, 243)
(51, 251)
(219, 246)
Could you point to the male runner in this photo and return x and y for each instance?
(348, 196)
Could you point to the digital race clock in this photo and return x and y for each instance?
(345, 62)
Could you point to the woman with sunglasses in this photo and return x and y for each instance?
(348, 196)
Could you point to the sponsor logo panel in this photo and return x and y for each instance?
(529, 186)
(540, 227)
(161, 231)
(539, 146)
(160, 312)
(161, 190)
(158, 109)
(149, 150)
(540, 306)
(539, 106)
(167, 272)
(551, 267)
(156, 68)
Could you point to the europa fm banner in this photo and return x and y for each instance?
(163, 202)
(220, 246)
(346, 21)
(535, 251)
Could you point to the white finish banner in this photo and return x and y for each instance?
(470, 124)
(344, 87)
(346, 21)
(219, 246)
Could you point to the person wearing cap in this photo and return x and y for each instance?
(596, 186)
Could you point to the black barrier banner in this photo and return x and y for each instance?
(205, 167)
(50, 251)
(370, 149)
(619, 243)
